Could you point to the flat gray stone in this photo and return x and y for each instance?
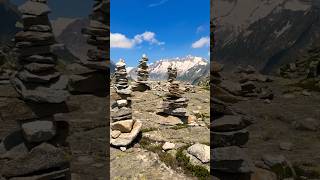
(42, 157)
(39, 131)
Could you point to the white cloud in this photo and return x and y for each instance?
(158, 4)
(148, 37)
(200, 29)
(118, 40)
(204, 41)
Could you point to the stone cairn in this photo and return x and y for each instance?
(124, 129)
(229, 134)
(90, 75)
(38, 80)
(172, 73)
(121, 81)
(37, 149)
(143, 74)
(174, 104)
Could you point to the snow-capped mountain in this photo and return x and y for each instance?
(190, 68)
(68, 32)
(264, 33)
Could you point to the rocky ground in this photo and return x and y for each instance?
(149, 157)
(284, 123)
(86, 133)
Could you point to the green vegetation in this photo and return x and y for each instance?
(148, 129)
(307, 170)
(184, 162)
(180, 161)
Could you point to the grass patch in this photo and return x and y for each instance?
(181, 160)
(149, 129)
(311, 172)
(198, 171)
(282, 172)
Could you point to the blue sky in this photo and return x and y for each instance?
(159, 28)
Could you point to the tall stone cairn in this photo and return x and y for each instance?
(90, 76)
(172, 73)
(143, 74)
(123, 128)
(174, 103)
(37, 78)
(121, 81)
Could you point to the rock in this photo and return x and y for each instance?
(65, 173)
(308, 124)
(15, 152)
(169, 120)
(37, 67)
(231, 160)
(126, 138)
(123, 149)
(231, 87)
(228, 123)
(273, 160)
(232, 138)
(168, 146)
(285, 146)
(122, 103)
(38, 131)
(122, 114)
(192, 119)
(124, 126)
(262, 174)
(115, 134)
(195, 161)
(306, 93)
(40, 158)
(201, 151)
(34, 8)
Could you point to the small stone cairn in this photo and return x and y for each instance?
(37, 79)
(90, 75)
(174, 104)
(143, 74)
(121, 81)
(172, 73)
(124, 129)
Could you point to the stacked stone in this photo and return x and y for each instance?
(33, 151)
(90, 76)
(38, 80)
(174, 104)
(143, 74)
(121, 81)
(124, 129)
(172, 73)
(229, 135)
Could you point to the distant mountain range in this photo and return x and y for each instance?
(265, 33)
(190, 69)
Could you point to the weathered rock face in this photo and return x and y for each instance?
(174, 104)
(37, 80)
(123, 128)
(143, 74)
(91, 74)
